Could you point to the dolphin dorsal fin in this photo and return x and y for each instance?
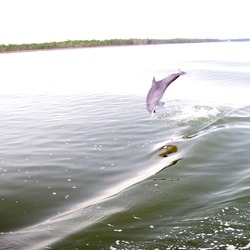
(153, 81)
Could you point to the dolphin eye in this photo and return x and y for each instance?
(154, 111)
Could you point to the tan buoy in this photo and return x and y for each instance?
(166, 150)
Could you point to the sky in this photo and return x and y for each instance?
(36, 21)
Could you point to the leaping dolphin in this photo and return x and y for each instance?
(157, 90)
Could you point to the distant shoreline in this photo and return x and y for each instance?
(70, 44)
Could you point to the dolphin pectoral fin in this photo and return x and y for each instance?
(160, 103)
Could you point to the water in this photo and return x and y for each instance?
(78, 154)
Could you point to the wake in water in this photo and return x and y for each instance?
(192, 118)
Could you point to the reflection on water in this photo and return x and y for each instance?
(76, 169)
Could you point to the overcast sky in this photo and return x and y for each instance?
(34, 21)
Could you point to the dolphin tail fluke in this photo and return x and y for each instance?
(181, 72)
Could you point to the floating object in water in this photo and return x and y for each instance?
(157, 90)
(166, 150)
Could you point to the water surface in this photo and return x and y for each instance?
(78, 161)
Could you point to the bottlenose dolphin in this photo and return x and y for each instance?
(157, 90)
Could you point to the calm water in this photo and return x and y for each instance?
(78, 161)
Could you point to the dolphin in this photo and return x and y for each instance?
(157, 90)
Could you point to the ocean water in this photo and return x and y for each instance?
(79, 163)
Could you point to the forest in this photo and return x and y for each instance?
(95, 43)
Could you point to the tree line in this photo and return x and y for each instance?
(96, 43)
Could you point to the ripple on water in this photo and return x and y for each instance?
(94, 165)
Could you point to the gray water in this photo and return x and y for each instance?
(79, 167)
